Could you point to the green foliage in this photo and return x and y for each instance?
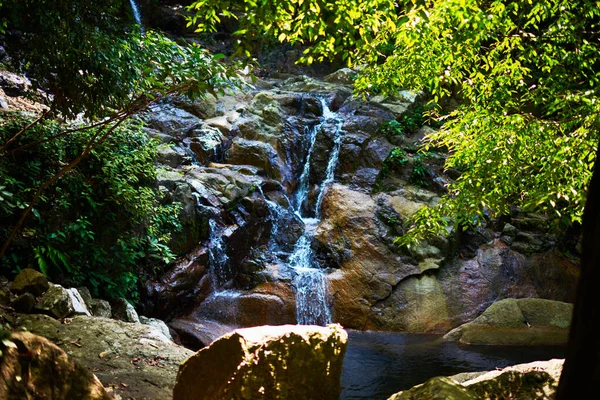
(407, 123)
(334, 28)
(92, 63)
(524, 76)
(420, 173)
(392, 128)
(102, 221)
(396, 159)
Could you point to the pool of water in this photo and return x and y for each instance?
(379, 364)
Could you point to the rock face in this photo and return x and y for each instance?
(38, 369)
(518, 322)
(136, 360)
(536, 380)
(30, 281)
(235, 164)
(293, 362)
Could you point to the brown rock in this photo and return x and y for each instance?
(38, 369)
(30, 280)
(284, 362)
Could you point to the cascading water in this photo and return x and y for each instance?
(276, 214)
(311, 288)
(136, 12)
(217, 254)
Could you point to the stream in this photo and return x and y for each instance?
(379, 364)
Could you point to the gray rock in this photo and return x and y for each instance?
(60, 303)
(85, 295)
(24, 303)
(268, 362)
(158, 324)
(344, 76)
(100, 308)
(137, 357)
(517, 322)
(170, 120)
(124, 311)
(207, 143)
(30, 280)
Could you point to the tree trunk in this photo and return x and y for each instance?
(580, 377)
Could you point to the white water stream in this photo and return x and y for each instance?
(311, 287)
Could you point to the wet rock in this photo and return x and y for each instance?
(181, 286)
(303, 83)
(60, 302)
(518, 322)
(171, 120)
(534, 380)
(196, 334)
(202, 108)
(24, 303)
(124, 311)
(207, 143)
(100, 308)
(265, 106)
(158, 324)
(217, 187)
(135, 359)
(303, 362)
(85, 295)
(30, 280)
(48, 373)
(171, 155)
(352, 239)
(269, 304)
(344, 76)
(376, 152)
(14, 85)
(258, 154)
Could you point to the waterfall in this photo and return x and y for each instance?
(276, 214)
(309, 280)
(136, 12)
(217, 255)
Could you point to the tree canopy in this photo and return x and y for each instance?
(524, 74)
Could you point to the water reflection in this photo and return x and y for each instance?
(378, 364)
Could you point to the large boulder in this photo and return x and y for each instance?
(134, 359)
(60, 302)
(293, 362)
(30, 281)
(38, 369)
(258, 154)
(351, 237)
(518, 322)
(536, 380)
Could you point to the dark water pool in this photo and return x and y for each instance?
(378, 364)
